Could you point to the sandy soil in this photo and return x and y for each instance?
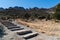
(50, 28)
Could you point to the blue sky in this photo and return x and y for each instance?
(29, 3)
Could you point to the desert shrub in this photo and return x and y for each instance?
(57, 12)
(1, 31)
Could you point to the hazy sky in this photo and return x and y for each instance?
(29, 3)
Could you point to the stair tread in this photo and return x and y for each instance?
(30, 34)
(24, 32)
(15, 29)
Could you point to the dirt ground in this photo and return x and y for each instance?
(50, 27)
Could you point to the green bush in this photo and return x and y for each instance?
(57, 12)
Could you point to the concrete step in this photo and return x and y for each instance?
(24, 32)
(11, 27)
(31, 35)
(15, 29)
(8, 24)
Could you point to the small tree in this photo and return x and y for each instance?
(57, 12)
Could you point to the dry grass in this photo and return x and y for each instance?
(47, 27)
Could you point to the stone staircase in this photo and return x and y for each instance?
(24, 33)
